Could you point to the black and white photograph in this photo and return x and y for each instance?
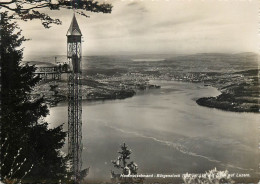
(129, 92)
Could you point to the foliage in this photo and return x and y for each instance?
(22, 125)
(126, 167)
(26, 9)
(14, 168)
(211, 177)
(21, 121)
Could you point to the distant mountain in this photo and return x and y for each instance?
(245, 57)
(242, 54)
(246, 54)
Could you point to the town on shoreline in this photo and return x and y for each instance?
(239, 88)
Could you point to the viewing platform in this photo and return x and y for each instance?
(52, 72)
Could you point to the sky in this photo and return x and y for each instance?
(153, 27)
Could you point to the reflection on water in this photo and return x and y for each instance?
(167, 132)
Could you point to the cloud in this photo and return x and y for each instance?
(156, 27)
(132, 3)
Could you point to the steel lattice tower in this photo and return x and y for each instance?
(74, 98)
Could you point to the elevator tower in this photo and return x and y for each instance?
(74, 98)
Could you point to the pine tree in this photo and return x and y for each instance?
(126, 167)
(22, 125)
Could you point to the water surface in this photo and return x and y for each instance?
(167, 132)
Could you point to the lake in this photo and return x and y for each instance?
(166, 131)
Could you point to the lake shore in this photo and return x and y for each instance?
(235, 96)
(242, 96)
(165, 122)
(91, 91)
(121, 78)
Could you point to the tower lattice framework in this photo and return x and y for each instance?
(74, 98)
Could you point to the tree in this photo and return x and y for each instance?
(27, 9)
(211, 177)
(26, 141)
(21, 124)
(126, 167)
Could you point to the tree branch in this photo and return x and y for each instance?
(24, 9)
(87, 5)
(13, 1)
(37, 7)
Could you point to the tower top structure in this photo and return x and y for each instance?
(74, 29)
